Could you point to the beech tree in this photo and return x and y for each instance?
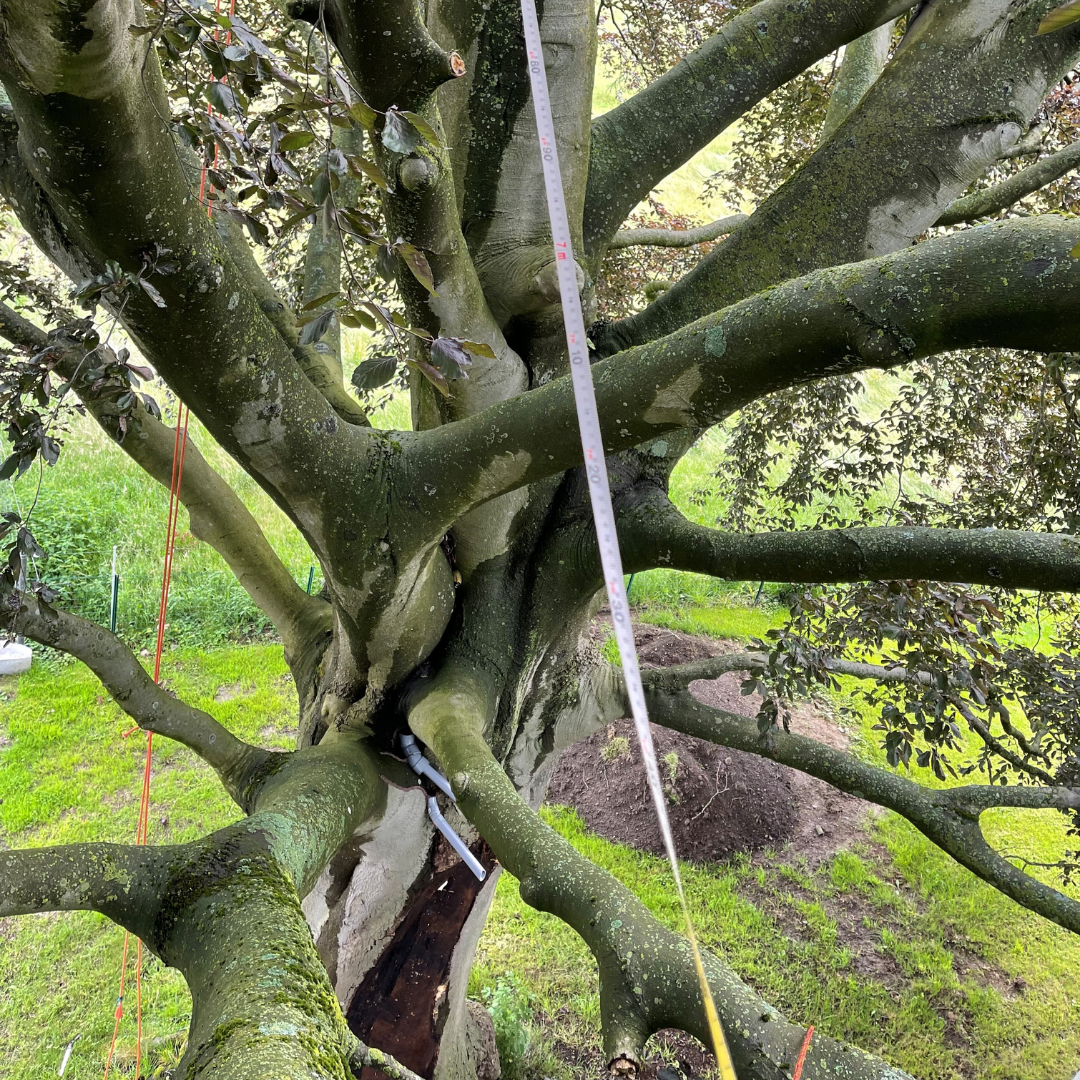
(376, 164)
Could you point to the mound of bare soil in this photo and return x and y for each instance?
(720, 801)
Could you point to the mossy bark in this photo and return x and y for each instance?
(459, 558)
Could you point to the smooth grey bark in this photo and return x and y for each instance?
(864, 60)
(959, 94)
(1011, 284)
(661, 536)
(677, 238)
(1020, 185)
(463, 551)
(647, 976)
(638, 143)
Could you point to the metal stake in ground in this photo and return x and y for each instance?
(115, 593)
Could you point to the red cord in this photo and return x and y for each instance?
(802, 1053)
(119, 1007)
(142, 828)
(179, 448)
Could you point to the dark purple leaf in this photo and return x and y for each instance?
(311, 331)
(448, 355)
(417, 262)
(373, 373)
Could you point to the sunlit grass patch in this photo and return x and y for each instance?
(69, 776)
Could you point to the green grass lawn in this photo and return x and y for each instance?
(954, 945)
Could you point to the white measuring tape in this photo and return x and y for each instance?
(599, 490)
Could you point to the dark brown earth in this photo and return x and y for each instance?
(731, 802)
(720, 801)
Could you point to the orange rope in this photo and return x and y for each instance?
(119, 1008)
(802, 1053)
(142, 828)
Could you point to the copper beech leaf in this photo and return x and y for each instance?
(320, 300)
(363, 114)
(479, 348)
(433, 376)
(423, 127)
(449, 355)
(417, 262)
(398, 134)
(362, 167)
(1060, 17)
(375, 372)
(296, 140)
(311, 331)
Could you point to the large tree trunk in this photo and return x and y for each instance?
(460, 557)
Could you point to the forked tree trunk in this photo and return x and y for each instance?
(460, 558)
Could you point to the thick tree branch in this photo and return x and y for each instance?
(504, 207)
(388, 46)
(217, 515)
(229, 361)
(1013, 560)
(121, 881)
(677, 238)
(1011, 285)
(949, 816)
(856, 197)
(149, 705)
(21, 331)
(422, 207)
(969, 208)
(863, 62)
(211, 341)
(37, 217)
(225, 910)
(714, 667)
(1016, 187)
(637, 144)
(647, 978)
(282, 318)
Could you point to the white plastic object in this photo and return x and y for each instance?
(422, 767)
(455, 841)
(15, 658)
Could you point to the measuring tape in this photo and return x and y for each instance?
(599, 490)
